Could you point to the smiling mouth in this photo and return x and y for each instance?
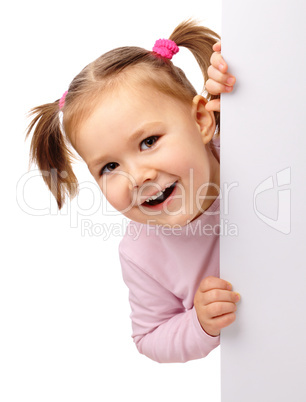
(160, 197)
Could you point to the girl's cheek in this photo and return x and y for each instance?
(117, 195)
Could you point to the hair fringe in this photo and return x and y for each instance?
(49, 151)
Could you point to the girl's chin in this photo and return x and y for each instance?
(173, 220)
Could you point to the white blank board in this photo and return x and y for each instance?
(263, 174)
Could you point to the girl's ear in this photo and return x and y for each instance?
(204, 119)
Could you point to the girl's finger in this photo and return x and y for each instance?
(218, 62)
(213, 105)
(217, 47)
(216, 75)
(219, 296)
(218, 309)
(224, 320)
(212, 282)
(215, 88)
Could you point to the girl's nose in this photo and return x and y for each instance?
(141, 175)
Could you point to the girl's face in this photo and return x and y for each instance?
(148, 152)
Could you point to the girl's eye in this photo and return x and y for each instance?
(149, 142)
(109, 167)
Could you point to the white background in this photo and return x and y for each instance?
(64, 313)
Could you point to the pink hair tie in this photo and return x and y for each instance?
(165, 48)
(62, 100)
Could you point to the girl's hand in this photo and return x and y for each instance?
(220, 81)
(215, 304)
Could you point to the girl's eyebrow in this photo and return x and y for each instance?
(96, 162)
(132, 138)
(141, 130)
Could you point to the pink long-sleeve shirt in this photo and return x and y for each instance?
(163, 268)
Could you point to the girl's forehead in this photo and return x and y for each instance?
(130, 102)
(125, 111)
(129, 108)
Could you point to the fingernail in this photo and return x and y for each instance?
(230, 81)
(237, 297)
(221, 66)
(229, 286)
(228, 89)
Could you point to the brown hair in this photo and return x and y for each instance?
(50, 147)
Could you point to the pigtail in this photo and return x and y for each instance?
(199, 40)
(50, 152)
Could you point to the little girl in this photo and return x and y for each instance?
(152, 145)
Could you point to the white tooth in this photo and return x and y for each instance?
(158, 194)
(155, 196)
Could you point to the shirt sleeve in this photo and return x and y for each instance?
(163, 329)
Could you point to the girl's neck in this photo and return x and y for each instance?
(214, 181)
